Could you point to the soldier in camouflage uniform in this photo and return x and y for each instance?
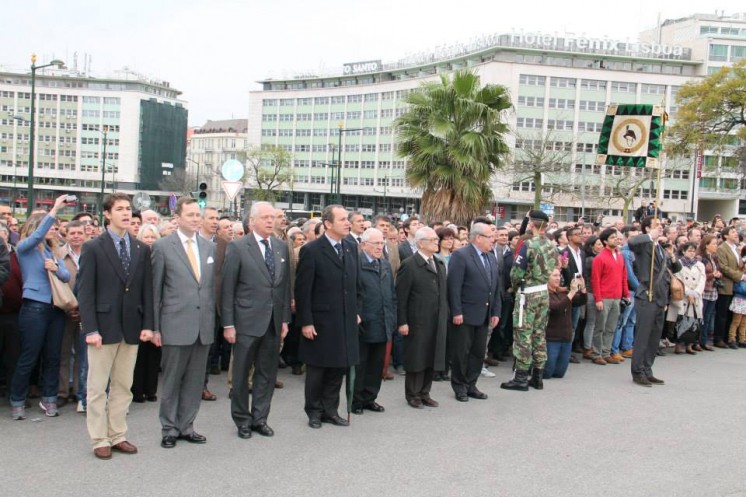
(534, 262)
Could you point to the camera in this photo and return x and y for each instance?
(718, 283)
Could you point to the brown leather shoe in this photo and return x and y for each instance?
(655, 381)
(279, 384)
(721, 344)
(600, 361)
(124, 447)
(641, 380)
(388, 376)
(611, 360)
(588, 354)
(618, 357)
(429, 402)
(627, 354)
(416, 403)
(208, 395)
(102, 452)
(490, 361)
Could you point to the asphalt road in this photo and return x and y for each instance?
(592, 433)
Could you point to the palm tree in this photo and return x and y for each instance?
(453, 135)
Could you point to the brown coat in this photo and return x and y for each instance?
(731, 268)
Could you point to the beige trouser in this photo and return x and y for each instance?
(738, 324)
(107, 418)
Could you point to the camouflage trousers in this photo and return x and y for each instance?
(529, 339)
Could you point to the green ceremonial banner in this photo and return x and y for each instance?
(632, 136)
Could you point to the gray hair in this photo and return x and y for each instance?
(423, 233)
(367, 234)
(255, 208)
(477, 229)
(310, 225)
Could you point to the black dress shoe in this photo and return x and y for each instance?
(416, 403)
(214, 370)
(462, 397)
(357, 410)
(314, 423)
(476, 394)
(374, 406)
(137, 398)
(194, 438)
(151, 398)
(297, 370)
(335, 420)
(244, 432)
(263, 430)
(168, 442)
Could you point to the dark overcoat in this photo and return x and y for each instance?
(326, 297)
(423, 306)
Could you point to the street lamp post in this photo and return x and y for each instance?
(198, 167)
(34, 67)
(103, 178)
(342, 129)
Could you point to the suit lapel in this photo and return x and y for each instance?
(134, 257)
(256, 253)
(330, 251)
(111, 252)
(181, 252)
(279, 261)
(480, 265)
(204, 253)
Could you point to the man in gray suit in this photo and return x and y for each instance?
(256, 273)
(184, 295)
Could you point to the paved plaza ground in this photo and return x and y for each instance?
(592, 433)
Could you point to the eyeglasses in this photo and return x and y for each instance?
(377, 244)
(430, 239)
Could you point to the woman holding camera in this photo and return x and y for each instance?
(40, 323)
(693, 277)
(707, 254)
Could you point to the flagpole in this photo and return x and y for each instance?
(664, 119)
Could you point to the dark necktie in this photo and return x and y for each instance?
(269, 258)
(487, 267)
(359, 240)
(431, 263)
(338, 247)
(124, 256)
(386, 252)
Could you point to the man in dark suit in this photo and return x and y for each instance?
(650, 311)
(357, 227)
(184, 310)
(495, 343)
(474, 299)
(422, 317)
(255, 313)
(575, 264)
(115, 295)
(409, 246)
(327, 311)
(377, 299)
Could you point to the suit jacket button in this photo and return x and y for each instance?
(126, 289)
(197, 307)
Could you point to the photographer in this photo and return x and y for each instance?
(693, 276)
(707, 253)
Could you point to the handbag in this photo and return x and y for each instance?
(687, 327)
(62, 294)
(677, 288)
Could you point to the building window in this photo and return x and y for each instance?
(532, 80)
(737, 53)
(705, 30)
(371, 97)
(561, 103)
(592, 105)
(531, 101)
(287, 102)
(370, 114)
(529, 122)
(653, 89)
(623, 87)
(354, 98)
(562, 82)
(321, 100)
(718, 53)
(305, 101)
(592, 84)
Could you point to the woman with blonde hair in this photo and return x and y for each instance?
(40, 324)
(145, 378)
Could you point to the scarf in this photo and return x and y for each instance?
(686, 262)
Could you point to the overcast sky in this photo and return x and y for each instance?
(215, 50)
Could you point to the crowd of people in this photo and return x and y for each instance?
(169, 302)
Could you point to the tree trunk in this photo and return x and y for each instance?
(537, 193)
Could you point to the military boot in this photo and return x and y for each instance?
(519, 381)
(537, 379)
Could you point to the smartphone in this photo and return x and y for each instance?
(71, 198)
(577, 275)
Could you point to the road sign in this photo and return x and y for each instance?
(232, 170)
(231, 189)
(172, 201)
(141, 201)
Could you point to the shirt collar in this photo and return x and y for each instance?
(184, 238)
(259, 238)
(117, 238)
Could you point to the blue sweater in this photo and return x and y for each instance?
(35, 279)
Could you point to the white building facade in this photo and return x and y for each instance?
(560, 86)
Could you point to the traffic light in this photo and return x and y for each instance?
(202, 195)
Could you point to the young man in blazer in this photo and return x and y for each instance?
(115, 295)
(255, 302)
(184, 320)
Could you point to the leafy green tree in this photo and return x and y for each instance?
(453, 134)
(268, 169)
(712, 112)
